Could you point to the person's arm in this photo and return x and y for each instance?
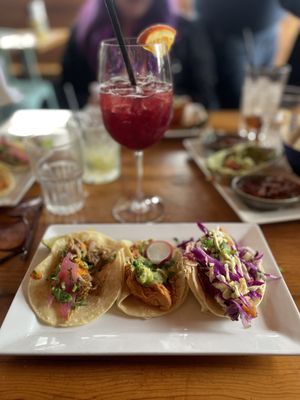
(76, 70)
(293, 6)
(289, 28)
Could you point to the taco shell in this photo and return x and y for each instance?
(99, 301)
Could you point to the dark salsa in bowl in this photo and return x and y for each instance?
(267, 191)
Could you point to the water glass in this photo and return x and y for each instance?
(57, 162)
(261, 96)
(288, 120)
(100, 152)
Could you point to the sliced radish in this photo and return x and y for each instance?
(159, 251)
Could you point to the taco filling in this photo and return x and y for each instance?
(79, 281)
(73, 278)
(226, 278)
(7, 180)
(152, 283)
(152, 286)
(13, 154)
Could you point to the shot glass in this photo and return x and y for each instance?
(261, 96)
(101, 154)
(57, 163)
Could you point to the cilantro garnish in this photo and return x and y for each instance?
(61, 296)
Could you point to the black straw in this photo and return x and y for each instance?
(118, 32)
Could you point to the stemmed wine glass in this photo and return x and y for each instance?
(136, 116)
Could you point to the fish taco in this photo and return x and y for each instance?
(227, 279)
(79, 281)
(154, 280)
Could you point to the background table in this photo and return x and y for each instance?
(188, 197)
(52, 42)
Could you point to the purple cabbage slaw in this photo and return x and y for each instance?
(234, 272)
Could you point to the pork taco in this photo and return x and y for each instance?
(154, 280)
(7, 181)
(13, 155)
(226, 279)
(79, 281)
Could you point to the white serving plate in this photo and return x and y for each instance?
(29, 122)
(24, 181)
(199, 155)
(187, 331)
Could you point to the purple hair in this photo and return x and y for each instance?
(93, 25)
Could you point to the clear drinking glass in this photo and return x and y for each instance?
(57, 163)
(100, 152)
(136, 116)
(288, 120)
(261, 96)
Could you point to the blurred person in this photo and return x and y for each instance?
(293, 6)
(226, 22)
(289, 28)
(191, 57)
(294, 60)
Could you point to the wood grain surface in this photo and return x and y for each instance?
(188, 197)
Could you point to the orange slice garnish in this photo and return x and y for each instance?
(157, 34)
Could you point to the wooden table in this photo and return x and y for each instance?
(188, 197)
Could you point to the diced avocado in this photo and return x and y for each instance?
(146, 274)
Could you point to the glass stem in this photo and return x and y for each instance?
(139, 155)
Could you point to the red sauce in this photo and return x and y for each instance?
(270, 187)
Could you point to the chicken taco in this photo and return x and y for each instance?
(154, 282)
(227, 279)
(79, 281)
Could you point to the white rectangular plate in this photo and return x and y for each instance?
(24, 181)
(245, 213)
(187, 331)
